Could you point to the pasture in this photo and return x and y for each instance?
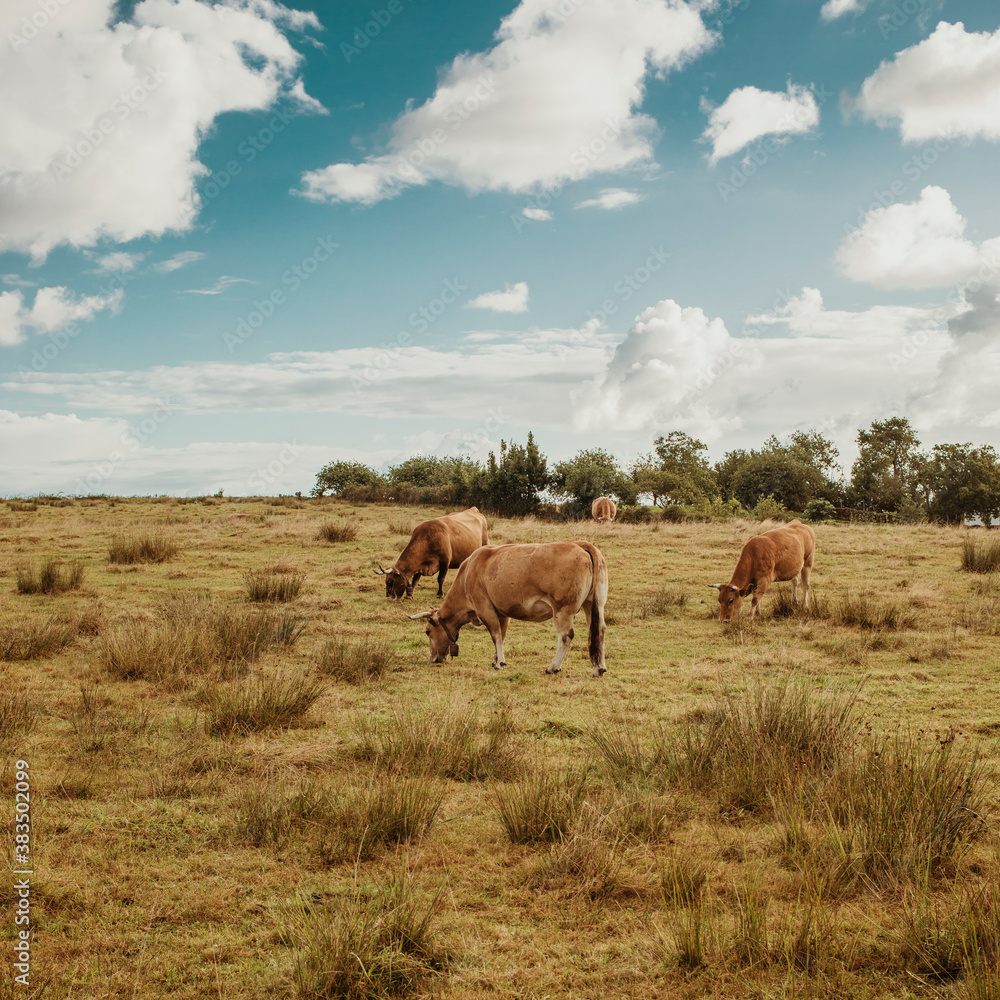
(241, 798)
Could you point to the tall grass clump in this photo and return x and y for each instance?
(662, 602)
(450, 741)
(17, 716)
(368, 946)
(633, 751)
(542, 806)
(272, 585)
(127, 549)
(982, 616)
(253, 704)
(356, 662)
(22, 506)
(334, 531)
(981, 553)
(870, 611)
(907, 809)
(364, 819)
(52, 577)
(36, 640)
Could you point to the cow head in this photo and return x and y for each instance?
(444, 642)
(730, 599)
(395, 583)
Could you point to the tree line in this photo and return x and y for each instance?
(892, 477)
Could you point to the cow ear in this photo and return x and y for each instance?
(454, 649)
(746, 591)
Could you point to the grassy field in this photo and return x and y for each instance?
(242, 798)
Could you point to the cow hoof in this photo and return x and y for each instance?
(600, 671)
(552, 670)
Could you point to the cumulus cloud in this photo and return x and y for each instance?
(945, 86)
(53, 309)
(612, 198)
(102, 120)
(556, 98)
(513, 299)
(118, 261)
(748, 114)
(920, 244)
(833, 9)
(178, 261)
(537, 214)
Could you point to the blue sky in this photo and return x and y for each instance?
(240, 240)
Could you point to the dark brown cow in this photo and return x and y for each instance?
(435, 547)
(530, 583)
(780, 554)
(603, 509)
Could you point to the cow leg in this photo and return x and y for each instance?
(497, 628)
(795, 599)
(412, 584)
(441, 576)
(806, 570)
(758, 593)
(563, 620)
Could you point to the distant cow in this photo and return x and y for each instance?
(530, 583)
(603, 509)
(435, 547)
(780, 554)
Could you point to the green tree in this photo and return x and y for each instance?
(511, 483)
(961, 482)
(884, 475)
(421, 470)
(592, 473)
(338, 476)
(678, 474)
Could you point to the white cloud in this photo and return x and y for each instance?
(916, 245)
(102, 120)
(537, 214)
(555, 99)
(16, 279)
(178, 261)
(612, 198)
(748, 114)
(53, 309)
(118, 261)
(513, 299)
(833, 9)
(946, 86)
(221, 284)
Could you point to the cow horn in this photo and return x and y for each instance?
(422, 614)
(717, 586)
(380, 571)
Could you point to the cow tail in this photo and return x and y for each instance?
(598, 592)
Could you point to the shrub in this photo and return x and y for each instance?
(255, 704)
(271, 585)
(981, 554)
(370, 945)
(769, 508)
(52, 578)
(129, 549)
(36, 640)
(820, 510)
(541, 807)
(356, 662)
(333, 531)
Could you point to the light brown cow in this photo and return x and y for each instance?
(603, 509)
(435, 546)
(780, 554)
(530, 583)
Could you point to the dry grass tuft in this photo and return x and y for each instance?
(273, 585)
(22, 506)
(53, 577)
(356, 662)
(37, 640)
(981, 553)
(870, 611)
(665, 600)
(334, 531)
(541, 806)
(254, 704)
(17, 713)
(135, 548)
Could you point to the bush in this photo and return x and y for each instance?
(52, 578)
(356, 662)
(334, 532)
(981, 554)
(820, 510)
(272, 585)
(767, 508)
(129, 549)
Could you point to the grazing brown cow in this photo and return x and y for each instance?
(530, 583)
(435, 546)
(780, 554)
(603, 509)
